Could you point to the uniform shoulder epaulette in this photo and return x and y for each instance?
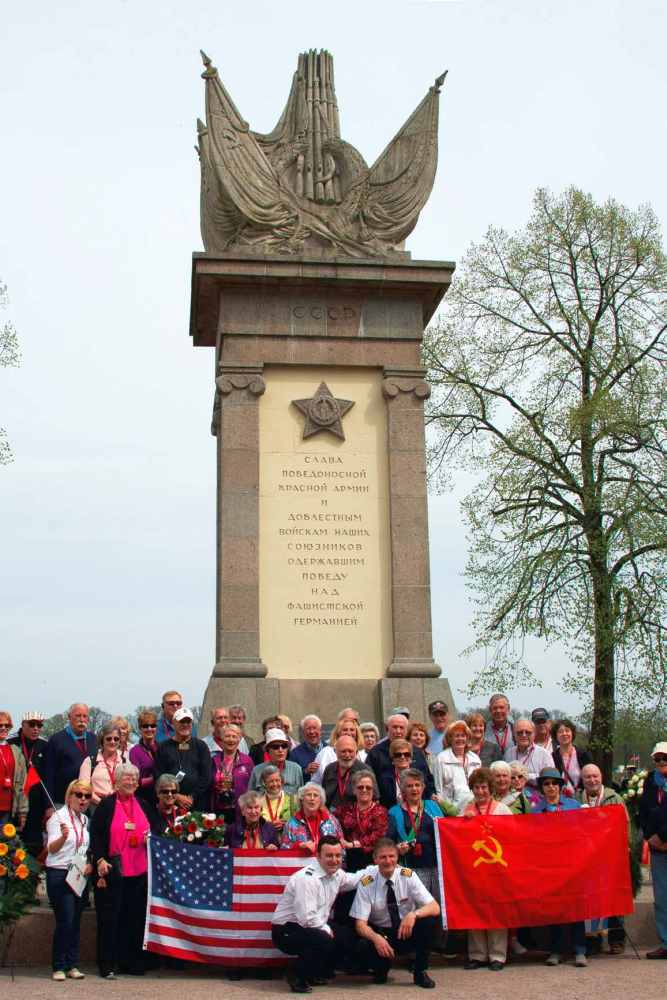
(367, 879)
(309, 871)
(407, 872)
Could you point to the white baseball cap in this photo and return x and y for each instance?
(183, 713)
(659, 748)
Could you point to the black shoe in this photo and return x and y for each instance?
(380, 977)
(300, 986)
(657, 953)
(473, 963)
(234, 974)
(424, 980)
(497, 966)
(319, 981)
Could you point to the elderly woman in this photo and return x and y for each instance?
(520, 804)
(389, 781)
(277, 805)
(418, 735)
(653, 822)
(277, 747)
(142, 754)
(100, 770)
(503, 791)
(311, 821)
(125, 730)
(486, 750)
(231, 773)
(411, 827)
(118, 834)
(363, 820)
(370, 734)
(251, 831)
(13, 800)
(455, 764)
(344, 727)
(67, 840)
(551, 782)
(567, 758)
(166, 814)
(486, 947)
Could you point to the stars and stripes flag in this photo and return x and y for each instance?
(213, 905)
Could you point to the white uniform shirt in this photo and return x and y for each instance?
(63, 857)
(370, 901)
(534, 759)
(310, 893)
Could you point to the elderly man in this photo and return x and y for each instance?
(305, 753)
(189, 759)
(542, 737)
(593, 795)
(171, 702)
(302, 924)
(238, 717)
(336, 779)
(379, 758)
(32, 745)
(526, 752)
(438, 712)
(65, 753)
(499, 728)
(394, 912)
(219, 719)
(277, 748)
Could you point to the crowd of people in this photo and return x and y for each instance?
(362, 806)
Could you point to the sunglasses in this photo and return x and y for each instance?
(401, 753)
(5, 725)
(551, 784)
(82, 795)
(174, 704)
(149, 725)
(112, 739)
(278, 746)
(523, 732)
(34, 723)
(660, 758)
(167, 791)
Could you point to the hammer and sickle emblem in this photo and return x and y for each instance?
(494, 853)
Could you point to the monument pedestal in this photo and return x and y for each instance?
(323, 588)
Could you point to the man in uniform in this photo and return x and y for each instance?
(394, 913)
(301, 920)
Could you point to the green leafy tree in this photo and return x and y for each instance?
(549, 373)
(10, 357)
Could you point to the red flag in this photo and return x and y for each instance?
(31, 779)
(523, 871)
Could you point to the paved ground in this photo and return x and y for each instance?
(606, 978)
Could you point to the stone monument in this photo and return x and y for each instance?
(316, 312)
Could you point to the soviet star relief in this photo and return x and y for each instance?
(323, 412)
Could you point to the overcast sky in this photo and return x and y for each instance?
(107, 513)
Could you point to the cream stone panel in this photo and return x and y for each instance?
(324, 541)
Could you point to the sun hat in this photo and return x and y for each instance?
(550, 773)
(275, 736)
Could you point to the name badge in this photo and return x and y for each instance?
(130, 826)
(183, 746)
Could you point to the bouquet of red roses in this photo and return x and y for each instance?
(204, 829)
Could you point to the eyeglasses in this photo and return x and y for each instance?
(34, 723)
(148, 725)
(364, 788)
(401, 753)
(523, 732)
(174, 704)
(167, 791)
(82, 795)
(112, 739)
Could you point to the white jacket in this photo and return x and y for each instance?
(451, 776)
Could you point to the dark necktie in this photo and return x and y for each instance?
(392, 906)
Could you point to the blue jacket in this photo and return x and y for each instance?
(566, 804)
(62, 761)
(303, 755)
(399, 824)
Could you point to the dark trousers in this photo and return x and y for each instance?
(419, 942)
(67, 909)
(317, 953)
(577, 934)
(121, 915)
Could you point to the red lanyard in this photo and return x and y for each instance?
(342, 785)
(314, 827)
(256, 842)
(359, 814)
(487, 810)
(228, 771)
(110, 770)
(24, 747)
(565, 767)
(78, 840)
(273, 816)
(128, 812)
(505, 738)
(527, 758)
(415, 822)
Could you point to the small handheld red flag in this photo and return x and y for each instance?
(31, 779)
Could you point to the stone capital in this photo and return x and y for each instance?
(405, 380)
(231, 377)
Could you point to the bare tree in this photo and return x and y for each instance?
(549, 375)
(10, 356)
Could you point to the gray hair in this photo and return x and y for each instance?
(364, 773)
(525, 720)
(77, 704)
(267, 772)
(237, 708)
(496, 697)
(106, 730)
(167, 779)
(501, 765)
(248, 799)
(300, 792)
(366, 726)
(517, 768)
(123, 769)
(411, 774)
(310, 716)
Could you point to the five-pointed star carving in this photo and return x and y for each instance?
(323, 412)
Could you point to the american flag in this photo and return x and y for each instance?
(212, 905)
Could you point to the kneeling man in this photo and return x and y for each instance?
(394, 913)
(301, 920)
